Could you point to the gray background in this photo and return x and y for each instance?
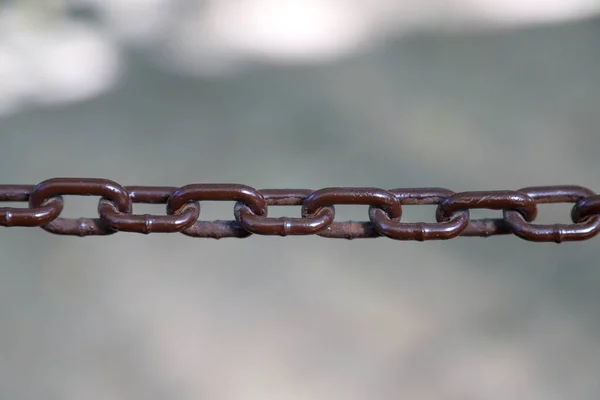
(170, 317)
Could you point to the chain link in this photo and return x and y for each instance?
(45, 205)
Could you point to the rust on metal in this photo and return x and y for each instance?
(445, 227)
(309, 224)
(581, 229)
(45, 204)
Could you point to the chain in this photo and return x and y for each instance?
(519, 210)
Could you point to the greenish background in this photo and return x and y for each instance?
(169, 317)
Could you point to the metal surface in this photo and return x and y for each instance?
(250, 212)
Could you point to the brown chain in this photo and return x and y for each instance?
(318, 211)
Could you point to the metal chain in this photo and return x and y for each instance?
(519, 208)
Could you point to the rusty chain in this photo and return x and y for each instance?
(519, 208)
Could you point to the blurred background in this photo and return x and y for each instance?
(467, 95)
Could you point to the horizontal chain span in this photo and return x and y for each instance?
(44, 207)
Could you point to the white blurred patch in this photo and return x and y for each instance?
(53, 62)
(317, 31)
(511, 12)
(288, 29)
(58, 60)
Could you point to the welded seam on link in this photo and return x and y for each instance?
(45, 205)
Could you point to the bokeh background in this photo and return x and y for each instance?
(468, 95)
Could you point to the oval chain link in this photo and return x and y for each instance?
(579, 230)
(217, 192)
(148, 223)
(491, 200)
(445, 228)
(585, 208)
(250, 211)
(373, 197)
(27, 217)
(105, 188)
(263, 225)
